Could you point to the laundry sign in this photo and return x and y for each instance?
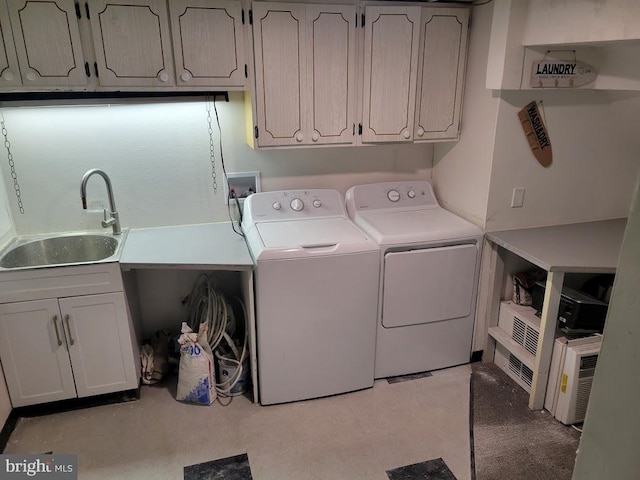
(536, 133)
(561, 74)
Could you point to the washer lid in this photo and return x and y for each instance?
(310, 233)
(413, 226)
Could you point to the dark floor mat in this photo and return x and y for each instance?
(511, 441)
(429, 470)
(230, 468)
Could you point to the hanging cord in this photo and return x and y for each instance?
(237, 229)
(207, 305)
(12, 165)
(224, 388)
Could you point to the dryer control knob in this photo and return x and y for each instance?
(297, 204)
(393, 195)
(411, 194)
(276, 206)
(317, 203)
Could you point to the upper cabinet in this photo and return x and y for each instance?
(196, 26)
(122, 45)
(414, 66)
(404, 82)
(9, 69)
(443, 47)
(47, 43)
(391, 36)
(305, 73)
(132, 42)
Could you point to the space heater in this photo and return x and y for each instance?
(573, 364)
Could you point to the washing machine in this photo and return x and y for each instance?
(316, 287)
(429, 267)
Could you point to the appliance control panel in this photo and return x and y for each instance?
(293, 204)
(378, 196)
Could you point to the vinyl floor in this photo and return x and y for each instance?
(418, 428)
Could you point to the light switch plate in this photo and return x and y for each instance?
(517, 199)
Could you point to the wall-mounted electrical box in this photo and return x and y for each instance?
(242, 184)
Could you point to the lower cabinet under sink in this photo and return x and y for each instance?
(66, 332)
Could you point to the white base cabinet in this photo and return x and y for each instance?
(66, 347)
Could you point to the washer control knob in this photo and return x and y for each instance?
(393, 195)
(411, 194)
(317, 203)
(297, 204)
(276, 206)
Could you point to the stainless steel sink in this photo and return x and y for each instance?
(60, 250)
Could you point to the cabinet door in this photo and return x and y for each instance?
(279, 30)
(441, 76)
(34, 353)
(331, 38)
(207, 43)
(47, 39)
(99, 338)
(132, 42)
(390, 70)
(9, 70)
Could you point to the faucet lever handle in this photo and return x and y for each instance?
(107, 222)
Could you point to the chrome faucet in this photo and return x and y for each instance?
(114, 221)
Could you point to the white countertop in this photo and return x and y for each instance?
(212, 246)
(591, 247)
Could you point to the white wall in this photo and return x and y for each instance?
(462, 170)
(611, 435)
(595, 160)
(157, 156)
(570, 21)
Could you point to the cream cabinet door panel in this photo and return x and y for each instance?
(132, 42)
(441, 76)
(34, 353)
(280, 60)
(9, 70)
(390, 70)
(47, 39)
(331, 34)
(97, 329)
(207, 42)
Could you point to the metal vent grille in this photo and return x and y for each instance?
(525, 335)
(531, 342)
(523, 372)
(582, 399)
(588, 362)
(519, 330)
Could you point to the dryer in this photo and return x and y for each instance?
(316, 286)
(429, 268)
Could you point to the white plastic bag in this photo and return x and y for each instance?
(196, 382)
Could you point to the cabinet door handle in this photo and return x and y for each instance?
(71, 341)
(55, 326)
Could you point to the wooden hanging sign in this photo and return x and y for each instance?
(536, 133)
(561, 74)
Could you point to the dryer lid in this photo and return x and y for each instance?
(416, 225)
(310, 233)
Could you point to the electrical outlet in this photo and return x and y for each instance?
(242, 184)
(517, 199)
